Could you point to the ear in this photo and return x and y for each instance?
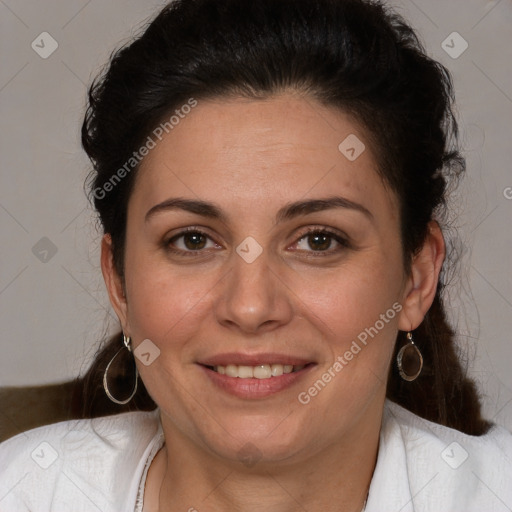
(421, 285)
(113, 282)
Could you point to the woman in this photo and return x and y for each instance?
(270, 177)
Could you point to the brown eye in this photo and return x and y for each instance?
(189, 242)
(194, 241)
(321, 241)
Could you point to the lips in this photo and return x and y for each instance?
(255, 375)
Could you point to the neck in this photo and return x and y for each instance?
(335, 478)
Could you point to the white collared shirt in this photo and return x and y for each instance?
(101, 465)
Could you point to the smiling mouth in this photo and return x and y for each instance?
(262, 371)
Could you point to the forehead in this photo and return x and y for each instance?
(258, 154)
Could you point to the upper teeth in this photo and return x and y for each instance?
(262, 371)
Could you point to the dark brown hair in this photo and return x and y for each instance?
(355, 55)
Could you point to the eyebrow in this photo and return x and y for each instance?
(288, 212)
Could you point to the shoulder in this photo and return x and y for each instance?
(74, 462)
(418, 432)
(468, 473)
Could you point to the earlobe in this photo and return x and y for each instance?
(113, 281)
(423, 280)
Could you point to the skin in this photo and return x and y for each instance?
(251, 158)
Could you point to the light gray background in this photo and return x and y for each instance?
(54, 313)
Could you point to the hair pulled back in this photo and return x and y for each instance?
(354, 55)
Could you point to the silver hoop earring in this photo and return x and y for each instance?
(127, 343)
(409, 360)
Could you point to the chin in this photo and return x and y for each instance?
(252, 441)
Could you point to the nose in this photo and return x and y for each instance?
(254, 298)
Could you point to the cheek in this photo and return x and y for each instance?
(351, 299)
(164, 305)
(357, 310)
(169, 310)
(358, 316)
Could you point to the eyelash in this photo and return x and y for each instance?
(342, 241)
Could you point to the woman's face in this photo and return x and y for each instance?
(292, 256)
